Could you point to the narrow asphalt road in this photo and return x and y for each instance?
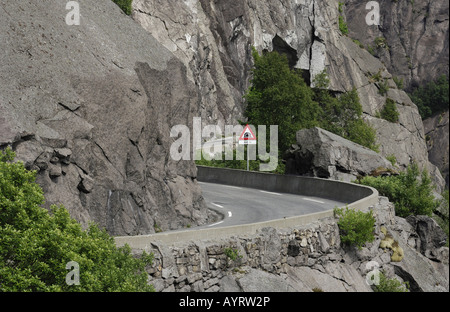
(241, 205)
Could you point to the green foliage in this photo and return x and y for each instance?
(433, 98)
(280, 96)
(390, 285)
(125, 5)
(356, 41)
(36, 245)
(376, 77)
(356, 227)
(343, 116)
(390, 112)
(410, 191)
(254, 165)
(232, 253)
(363, 134)
(381, 43)
(383, 87)
(343, 25)
(399, 82)
(392, 159)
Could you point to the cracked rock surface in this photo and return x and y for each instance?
(90, 107)
(214, 39)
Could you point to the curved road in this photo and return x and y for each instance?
(241, 205)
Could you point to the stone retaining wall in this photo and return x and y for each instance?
(201, 266)
(299, 258)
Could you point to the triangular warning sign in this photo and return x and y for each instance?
(247, 136)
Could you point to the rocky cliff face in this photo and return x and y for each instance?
(214, 40)
(414, 41)
(437, 132)
(90, 107)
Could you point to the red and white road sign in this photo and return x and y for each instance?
(247, 137)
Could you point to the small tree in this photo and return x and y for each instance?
(280, 96)
(390, 112)
(356, 227)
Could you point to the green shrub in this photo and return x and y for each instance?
(343, 25)
(381, 43)
(363, 134)
(232, 254)
(371, 50)
(383, 87)
(433, 98)
(356, 227)
(343, 115)
(410, 191)
(390, 112)
(399, 82)
(125, 5)
(36, 245)
(390, 285)
(280, 96)
(392, 159)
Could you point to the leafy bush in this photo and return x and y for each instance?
(399, 82)
(410, 191)
(36, 245)
(232, 253)
(381, 43)
(343, 25)
(390, 112)
(392, 159)
(390, 285)
(383, 87)
(343, 116)
(356, 227)
(433, 98)
(125, 5)
(280, 96)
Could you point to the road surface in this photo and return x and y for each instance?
(241, 205)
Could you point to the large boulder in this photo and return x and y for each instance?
(90, 107)
(320, 153)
